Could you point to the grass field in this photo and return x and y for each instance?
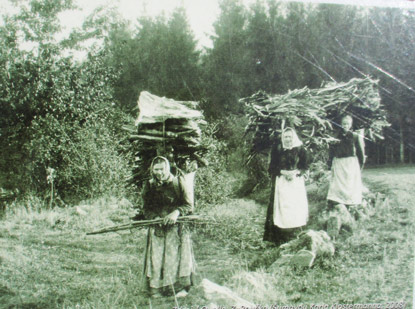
(47, 261)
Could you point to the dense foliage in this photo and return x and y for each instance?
(57, 115)
(64, 115)
(160, 56)
(277, 47)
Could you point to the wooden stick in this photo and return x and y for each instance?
(144, 223)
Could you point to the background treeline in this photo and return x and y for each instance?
(61, 119)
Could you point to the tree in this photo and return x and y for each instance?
(264, 49)
(57, 113)
(224, 64)
(278, 47)
(385, 52)
(160, 57)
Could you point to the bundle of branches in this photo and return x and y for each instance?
(359, 98)
(194, 219)
(168, 128)
(314, 113)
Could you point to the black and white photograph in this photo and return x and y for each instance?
(207, 154)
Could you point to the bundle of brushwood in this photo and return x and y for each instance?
(168, 128)
(191, 219)
(314, 113)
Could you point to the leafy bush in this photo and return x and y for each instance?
(63, 118)
(86, 160)
(56, 114)
(232, 131)
(213, 182)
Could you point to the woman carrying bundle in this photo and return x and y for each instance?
(288, 208)
(169, 262)
(346, 159)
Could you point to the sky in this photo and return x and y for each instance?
(201, 13)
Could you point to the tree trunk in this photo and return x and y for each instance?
(389, 154)
(377, 154)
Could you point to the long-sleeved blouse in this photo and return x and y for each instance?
(160, 200)
(287, 159)
(349, 145)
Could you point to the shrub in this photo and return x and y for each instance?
(231, 130)
(86, 159)
(65, 119)
(213, 182)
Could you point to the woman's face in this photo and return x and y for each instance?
(347, 124)
(287, 139)
(160, 171)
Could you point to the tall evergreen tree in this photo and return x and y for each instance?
(389, 55)
(224, 64)
(263, 50)
(160, 57)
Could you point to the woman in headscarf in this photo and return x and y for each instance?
(346, 158)
(169, 261)
(288, 208)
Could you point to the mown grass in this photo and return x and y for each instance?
(374, 264)
(47, 261)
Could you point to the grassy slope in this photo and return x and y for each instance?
(46, 261)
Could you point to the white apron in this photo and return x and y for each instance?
(290, 201)
(346, 181)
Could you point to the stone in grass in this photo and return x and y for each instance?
(303, 258)
(303, 251)
(333, 226)
(282, 262)
(339, 218)
(223, 296)
(320, 243)
(317, 242)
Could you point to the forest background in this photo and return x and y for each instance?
(61, 118)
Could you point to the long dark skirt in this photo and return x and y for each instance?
(169, 261)
(273, 233)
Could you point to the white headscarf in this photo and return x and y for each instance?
(296, 141)
(166, 168)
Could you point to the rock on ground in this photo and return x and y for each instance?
(304, 250)
(339, 218)
(223, 296)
